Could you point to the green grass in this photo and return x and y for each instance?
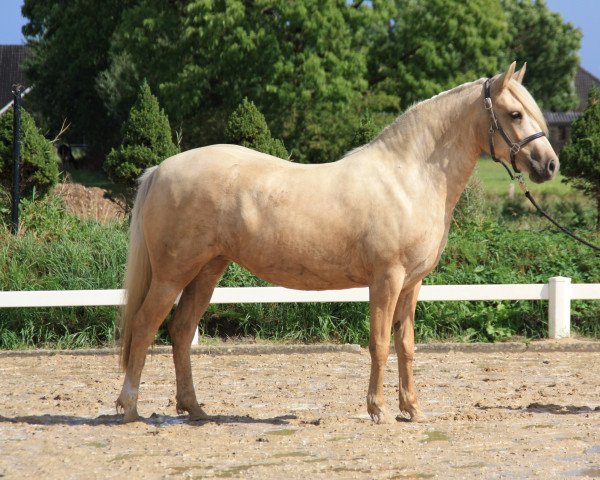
(496, 182)
(94, 178)
(58, 251)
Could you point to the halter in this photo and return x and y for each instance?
(495, 126)
(515, 147)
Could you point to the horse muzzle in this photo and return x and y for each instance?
(543, 170)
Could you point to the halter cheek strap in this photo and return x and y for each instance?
(495, 126)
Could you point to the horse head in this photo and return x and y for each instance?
(518, 130)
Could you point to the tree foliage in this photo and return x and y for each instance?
(580, 159)
(549, 46)
(309, 66)
(146, 141)
(365, 132)
(248, 127)
(434, 45)
(69, 44)
(39, 162)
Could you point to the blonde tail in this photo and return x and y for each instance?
(139, 271)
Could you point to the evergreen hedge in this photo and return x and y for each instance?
(146, 141)
(247, 127)
(39, 162)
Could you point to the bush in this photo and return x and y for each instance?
(581, 157)
(366, 131)
(247, 127)
(39, 162)
(146, 141)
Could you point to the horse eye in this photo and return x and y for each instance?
(516, 115)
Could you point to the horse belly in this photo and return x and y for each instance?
(299, 268)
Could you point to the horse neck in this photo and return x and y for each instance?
(441, 138)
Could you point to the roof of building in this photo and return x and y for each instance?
(557, 118)
(584, 81)
(11, 57)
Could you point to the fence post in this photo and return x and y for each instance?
(559, 307)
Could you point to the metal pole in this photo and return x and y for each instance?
(16, 187)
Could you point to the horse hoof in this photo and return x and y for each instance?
(198, 414)
(130, 417)
(195, 412)
(380, 416)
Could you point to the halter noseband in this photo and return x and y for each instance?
(495, 126)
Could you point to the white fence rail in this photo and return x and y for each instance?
(559, 291)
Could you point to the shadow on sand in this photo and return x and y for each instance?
(154, 419)
(552, 408)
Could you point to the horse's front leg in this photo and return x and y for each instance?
(404, 341)
(383, 296)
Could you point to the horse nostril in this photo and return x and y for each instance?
(551, 166)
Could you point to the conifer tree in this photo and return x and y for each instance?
(366, 131)
(39, 162)
(146, 141)
(248, 127)
(580, 159)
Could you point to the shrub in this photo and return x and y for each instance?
(248, 127)
(39, 162)
(581, 157)
(366, 131)
(146, 141)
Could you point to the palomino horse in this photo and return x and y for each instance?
(379, 217)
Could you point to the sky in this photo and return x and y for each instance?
(584, 14)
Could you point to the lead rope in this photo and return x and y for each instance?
(527, 193)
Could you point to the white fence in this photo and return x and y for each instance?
(559, 291)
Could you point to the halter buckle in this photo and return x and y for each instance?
(487, 102)
(515, 148)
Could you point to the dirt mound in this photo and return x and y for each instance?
(91, 202)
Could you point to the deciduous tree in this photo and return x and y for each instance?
(434, 45)
(69, 44)
(549, 45)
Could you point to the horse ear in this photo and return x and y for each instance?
(506, 76)
(518, 76)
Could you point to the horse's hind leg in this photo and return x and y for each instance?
(157, 304)
(192, 305)
(404, 341)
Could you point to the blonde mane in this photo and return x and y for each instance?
(515, 88)
(523, 96)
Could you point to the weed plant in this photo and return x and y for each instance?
(57, 251)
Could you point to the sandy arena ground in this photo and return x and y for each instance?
(494, 414)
